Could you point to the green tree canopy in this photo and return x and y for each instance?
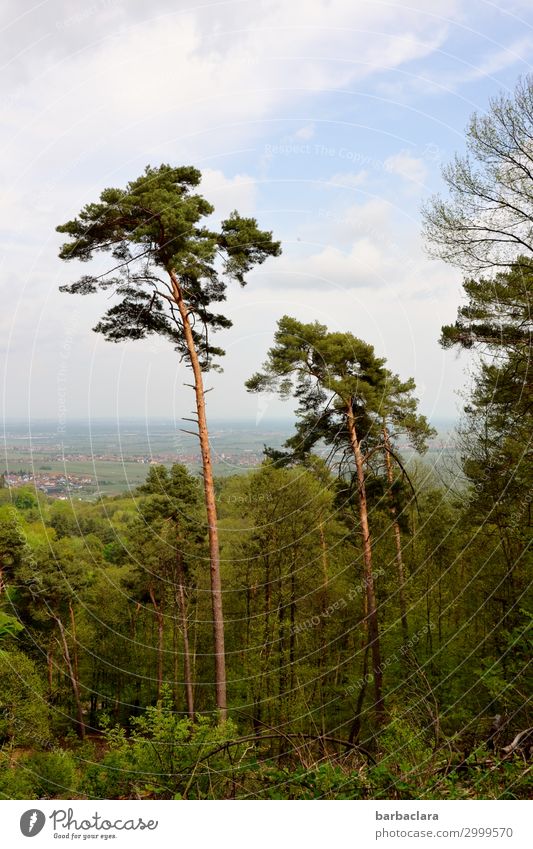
(156, 225)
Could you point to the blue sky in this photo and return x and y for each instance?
(329, 120)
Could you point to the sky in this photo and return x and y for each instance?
(328, 120)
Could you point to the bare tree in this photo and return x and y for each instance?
(487, 221)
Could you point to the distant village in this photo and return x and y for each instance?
(33, 465)
(57, 484)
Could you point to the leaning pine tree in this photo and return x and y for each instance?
(348, 400)
(168, 269)
(338, 381)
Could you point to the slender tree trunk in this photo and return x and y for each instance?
(282, 684)
(429, 639)
(324, 551)
(210, 503)
(73, 679)
(323, 660)
(397, 538)
(160, 636)
(292, 635)
(50, 668)
(283, 696)
(355, 729)
(268, 642)
(75, 663)
(182, 606)
(373, 627)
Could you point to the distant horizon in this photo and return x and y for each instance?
(169, 420)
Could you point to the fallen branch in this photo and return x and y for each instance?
(256, 738)
(512, 747)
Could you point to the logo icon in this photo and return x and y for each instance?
(32, 822)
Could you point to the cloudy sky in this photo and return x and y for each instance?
(329, 120)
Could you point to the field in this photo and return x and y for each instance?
(98, 458)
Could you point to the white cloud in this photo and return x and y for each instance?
(498, 60)
(371, 246)
(407, 166)
(363, 265)
(462, 71)
(341, 225)
(304, 133)
(348, 179)
(91, 95)
(229, 193)
(162, 83)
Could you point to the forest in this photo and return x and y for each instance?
(341, 622)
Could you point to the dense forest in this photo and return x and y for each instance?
(341, 622)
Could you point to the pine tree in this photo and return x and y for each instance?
(169, 269)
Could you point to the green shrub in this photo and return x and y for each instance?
(53, 774)
(324, 781)
(164, 757)
(15, 782)
(23, 708)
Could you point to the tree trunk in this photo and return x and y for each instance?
(282, 666)
(397, 538)
(355, 729)
(292, 635)
(73, 679)
(324, 551)
(50, 668)
(210, 504)
(268, 643)
(182, 606)
(75, 663)
(323, 659)
(160, 635)
(373, 627)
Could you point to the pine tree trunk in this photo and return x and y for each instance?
(397, 539)
(355, 730)
(282, 665)
(323, 659)
(50, 669)
(292, 634)
(160, 635)
(182, 606)
(268, 642)
(75, 663)
(210, 503)
(73, 679)
(373, 627)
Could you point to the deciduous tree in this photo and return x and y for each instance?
(487, 221)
